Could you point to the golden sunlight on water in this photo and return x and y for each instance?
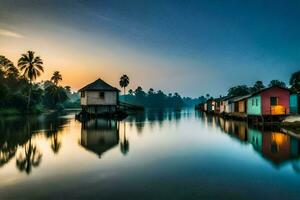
(50, 155)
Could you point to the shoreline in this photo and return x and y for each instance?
(14, 112)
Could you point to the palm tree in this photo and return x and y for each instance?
(56, 77)
(124, 82)
(8, 68)
(295, 81)
(31, 66)
(32, 158)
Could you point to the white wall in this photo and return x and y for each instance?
(93, 98)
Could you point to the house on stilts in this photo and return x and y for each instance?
(99, 98)
(272, 102)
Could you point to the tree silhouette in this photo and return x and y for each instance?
(55, 95)
(259, 85)
(31, 66)
(277, 83)
(6, 155)
(56, 77)
(124, 82)
(124, 144)
(295, 81)
(239, 90)
(31, 158)
(52, 132)
(130, 92)
(7, 68)
(55, 143)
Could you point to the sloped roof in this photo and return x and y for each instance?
(262, 90)
(100, 85)
(227, 98)
(239, 98)
(218, 99)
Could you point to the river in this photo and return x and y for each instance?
(153, 155)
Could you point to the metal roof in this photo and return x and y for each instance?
(99, 85)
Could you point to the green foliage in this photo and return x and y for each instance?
(239, 90)
(55, 96)
(277, 83)
(3, 93)
(15, 89)
(259, 85)
(153, 99)
(295, 81)
(17, 101)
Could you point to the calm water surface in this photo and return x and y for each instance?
(155, 155)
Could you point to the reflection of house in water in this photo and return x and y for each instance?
(279, 147)
(238, 129)
(255, 138)
(99, 135)
(272, 144)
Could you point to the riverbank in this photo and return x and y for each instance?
(292, 126)
(16, 112)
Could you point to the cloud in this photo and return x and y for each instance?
(9, 33)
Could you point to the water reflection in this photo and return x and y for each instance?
(16, 139)
(99, 135)
(153, 117)
(29, 158)
(163, 150)
(269, 141)
(124, 144)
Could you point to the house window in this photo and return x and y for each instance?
(82, 94)
(274, 101)
(252, 102)
(256, 102)
(101, 95)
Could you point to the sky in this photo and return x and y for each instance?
(191, 47)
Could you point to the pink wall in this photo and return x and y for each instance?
(283, 99)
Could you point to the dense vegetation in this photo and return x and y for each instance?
(158, 99)
(241, 90)
(20, 94)
(152, 99)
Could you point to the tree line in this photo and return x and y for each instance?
(241, 90)
(155, 99)
(20, 93)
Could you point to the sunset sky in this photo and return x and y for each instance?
(190, 47)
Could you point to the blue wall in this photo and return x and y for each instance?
(293, 103)
(254, 105)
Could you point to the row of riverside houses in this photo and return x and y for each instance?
(270, 102)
